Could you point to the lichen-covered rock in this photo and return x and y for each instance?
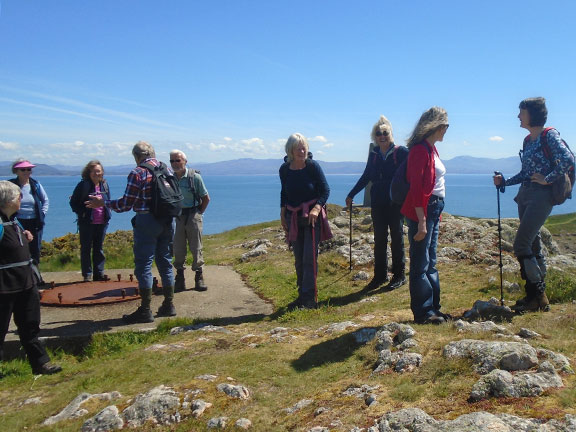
(243, 423)
(108, 419)
(500, 383)
(480, 327)
(74, 410)
(487, 356)
(217, 422)
(234, 391)
(199, 406)
(159, 405)
(559, 361)
(299, 405)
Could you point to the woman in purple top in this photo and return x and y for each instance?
(92, 223)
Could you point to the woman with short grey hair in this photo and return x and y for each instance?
(303, 215)
(18, 283)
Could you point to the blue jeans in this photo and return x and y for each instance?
(152, 241)
(424, 278)
(92, 247)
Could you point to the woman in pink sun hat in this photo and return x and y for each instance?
(34, 205)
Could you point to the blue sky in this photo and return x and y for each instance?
(229, 79)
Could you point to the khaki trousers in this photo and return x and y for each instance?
(188, 233)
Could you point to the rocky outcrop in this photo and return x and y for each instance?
(393, 342)
(487, 356)
(501, 383)
(416, 420)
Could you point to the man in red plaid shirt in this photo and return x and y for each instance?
(152, 236)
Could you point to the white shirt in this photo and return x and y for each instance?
(440, 185)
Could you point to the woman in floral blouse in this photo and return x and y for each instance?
(534, 199)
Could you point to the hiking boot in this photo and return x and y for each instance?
(396, 282)
(87, 278)
(308, 305)
(375, 283)
(101, 278)
(46, 369)
(199, 280)
(520, 303)
(536, 304)
(294, 305)
(141, 315)
(432, 319)
(167, 309)
(179, 281)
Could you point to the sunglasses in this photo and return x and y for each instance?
(380, 133)
(25, 169)
(175, 160)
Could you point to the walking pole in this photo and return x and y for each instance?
(350, 239)
(500, 188)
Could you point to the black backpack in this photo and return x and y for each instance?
(399, 186)
(166, 195)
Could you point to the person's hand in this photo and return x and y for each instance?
(29, 236)
(283, 222)
(539, 178)
(94, 201)
(421, 234)
(349, 202)
(497, 180)
(313, 215)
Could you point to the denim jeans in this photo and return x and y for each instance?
(306, 260)
(92, 247)
(384, 218)
(152, 241)
(424, 278)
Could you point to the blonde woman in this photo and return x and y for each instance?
(422, 208)
(382, 163)
(302, 199)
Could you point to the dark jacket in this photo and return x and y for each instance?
(303, 185)
(380, 171)
(80, 196)
(14, 249)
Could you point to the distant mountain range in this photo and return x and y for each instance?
(247, 166)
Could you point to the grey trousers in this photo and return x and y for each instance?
(188, 233)
(534, 206)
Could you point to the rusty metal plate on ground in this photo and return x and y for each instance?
(90, 293)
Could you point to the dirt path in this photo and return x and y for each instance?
(227, 297)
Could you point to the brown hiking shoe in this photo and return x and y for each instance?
(536, 304)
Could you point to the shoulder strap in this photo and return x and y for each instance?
(394, 154)
(544, 143)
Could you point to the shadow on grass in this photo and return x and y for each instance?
(333, 350)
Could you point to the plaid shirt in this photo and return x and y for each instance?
(137, 195)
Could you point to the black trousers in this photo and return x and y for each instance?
(388, 219)
(25, 306)
(34, 226)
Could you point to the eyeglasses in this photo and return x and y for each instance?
(380, 133)
(446, 126)
(175, 160)
(25, 169)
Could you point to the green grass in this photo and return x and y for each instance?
(309, 364)
(557, 224)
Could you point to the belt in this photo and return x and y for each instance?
(143, 212)
(435, 198)
(187, 210)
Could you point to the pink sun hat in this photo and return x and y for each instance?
(23, 164)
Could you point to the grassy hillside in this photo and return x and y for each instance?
(309, 363)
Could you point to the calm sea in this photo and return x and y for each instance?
(246, 200)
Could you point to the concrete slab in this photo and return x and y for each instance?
(227, 297)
